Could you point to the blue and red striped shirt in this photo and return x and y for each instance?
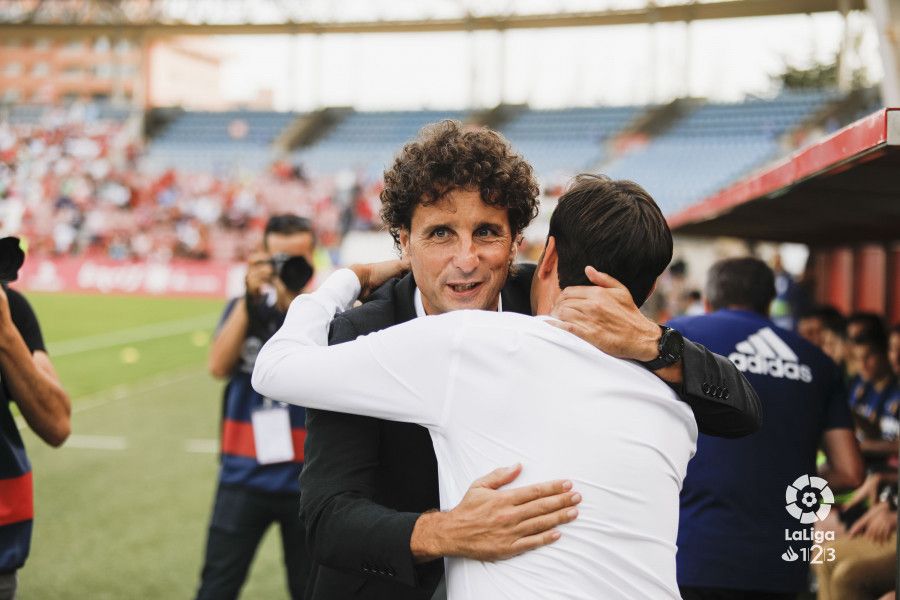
(239, 465)
(16, 489)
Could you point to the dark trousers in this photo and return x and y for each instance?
(695, 593)
(239, 520)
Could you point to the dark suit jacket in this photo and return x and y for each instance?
(365, 481)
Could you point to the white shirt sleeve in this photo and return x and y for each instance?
(398, 374)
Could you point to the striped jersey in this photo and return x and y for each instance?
(239, 464)
(16, 490)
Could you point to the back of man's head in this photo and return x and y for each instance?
(288, 224)
(615, 227)
(860, 323)
(740, 283)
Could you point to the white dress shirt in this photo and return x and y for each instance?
(495, 389)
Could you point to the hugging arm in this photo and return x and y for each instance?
(605, 316)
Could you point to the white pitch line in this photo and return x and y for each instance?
(96, 442)
(128, 336)
(202, 446)
(120, 392)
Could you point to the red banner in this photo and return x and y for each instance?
(175, 278)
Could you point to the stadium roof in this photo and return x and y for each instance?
(69, 18)
(840, 190)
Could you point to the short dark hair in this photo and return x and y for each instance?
(614, 226)
(830, 317)
(746, 282)
(446, 157)
(287, 224)
(871, 323)
(876, 340)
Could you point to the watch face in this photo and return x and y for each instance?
(671, 346)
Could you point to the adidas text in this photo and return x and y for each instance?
(774, 367)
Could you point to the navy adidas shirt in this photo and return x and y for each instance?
(733, 517)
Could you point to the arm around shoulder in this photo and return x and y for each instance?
(346, 528)
(723, 401)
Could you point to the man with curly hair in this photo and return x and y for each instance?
(456, 202)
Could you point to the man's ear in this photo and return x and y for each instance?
(514, 249)
(547, 265)
(403, 236)
(707, 306)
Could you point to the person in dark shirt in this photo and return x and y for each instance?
(731, 534)
(30, 381)
(257, 486)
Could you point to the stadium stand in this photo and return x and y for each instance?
(366, 141)
(567, 141)
(714, 145)
(218, 142)
(77, 181)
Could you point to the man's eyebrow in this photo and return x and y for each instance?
(431, 228)
(490, 224)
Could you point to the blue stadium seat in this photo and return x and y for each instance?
(713, 146)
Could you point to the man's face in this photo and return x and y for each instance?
(811, 330)
(872, 364)
(460, 250)
(833, 345)
(894, 352)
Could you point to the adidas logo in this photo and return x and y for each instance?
(764, 353)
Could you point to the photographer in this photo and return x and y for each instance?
(262, 441)
(29, 380)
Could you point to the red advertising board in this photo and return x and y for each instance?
(174, 278)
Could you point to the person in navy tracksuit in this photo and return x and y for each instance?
(734, 509)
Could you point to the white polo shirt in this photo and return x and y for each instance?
(499, 388)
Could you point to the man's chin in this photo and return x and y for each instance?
(475, 303)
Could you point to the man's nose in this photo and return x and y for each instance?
(466, 259)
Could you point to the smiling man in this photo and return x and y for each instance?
(456, 202)
(494, 387)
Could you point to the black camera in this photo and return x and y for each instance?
(294, 271)
(11, 259)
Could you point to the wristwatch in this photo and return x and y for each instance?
(671, 345)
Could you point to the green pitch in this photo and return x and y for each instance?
(122, 508)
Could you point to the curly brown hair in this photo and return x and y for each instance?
(446, 157)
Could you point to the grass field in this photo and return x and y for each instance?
(122, 508)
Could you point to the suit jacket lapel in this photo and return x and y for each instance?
(404, 305)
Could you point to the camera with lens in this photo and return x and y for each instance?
(294, 271)
(11, 259)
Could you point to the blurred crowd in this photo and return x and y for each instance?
(72, 186)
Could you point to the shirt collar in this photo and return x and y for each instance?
(420, 308)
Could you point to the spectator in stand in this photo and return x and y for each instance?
(886, 446)
(835, 344)
(258, 482)
(733, 518)
(865, 561)
(871, 389)
(812, 324)
(694, 304)
(860, 323)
